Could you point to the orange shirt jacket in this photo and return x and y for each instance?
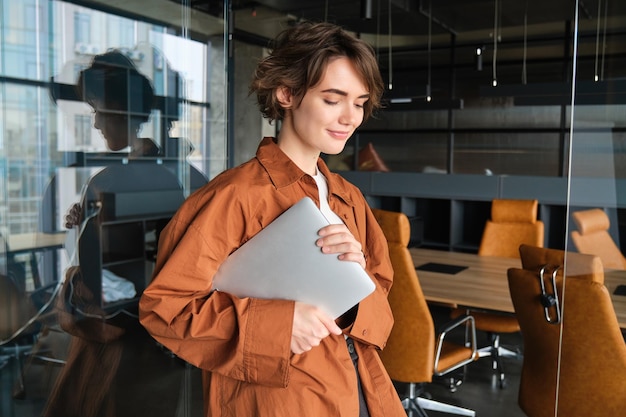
(243, 345)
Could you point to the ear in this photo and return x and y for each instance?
(284, 97)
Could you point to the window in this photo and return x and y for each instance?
(82, 24)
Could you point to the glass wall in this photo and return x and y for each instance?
(112, 114)
(593, 291)
(110, 117)
(550, 129)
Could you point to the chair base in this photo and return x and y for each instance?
(415, 405)
(16, 352)
(24, 355)
(495, 351)
(452, 383)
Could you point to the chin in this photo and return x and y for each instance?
(334, 150)
(115, 146)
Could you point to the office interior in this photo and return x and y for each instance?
(484, 100)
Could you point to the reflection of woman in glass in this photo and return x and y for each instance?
(101, 362)
(122, 99)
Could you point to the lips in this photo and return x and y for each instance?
(337, 134)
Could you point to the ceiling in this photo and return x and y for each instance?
(421, 40)
(411, 17)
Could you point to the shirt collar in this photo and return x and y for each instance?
(283, 171)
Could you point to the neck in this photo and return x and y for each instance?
(303, 156)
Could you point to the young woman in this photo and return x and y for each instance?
(278, 357)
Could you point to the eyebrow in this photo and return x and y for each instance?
(343, 93)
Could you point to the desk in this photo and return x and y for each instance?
(30, 243)
(483, 284)
(34, 242)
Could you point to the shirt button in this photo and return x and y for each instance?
(350, 348)
(364, 332)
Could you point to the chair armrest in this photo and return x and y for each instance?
(470, 330)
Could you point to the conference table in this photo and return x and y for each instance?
(480, 282)
(32, 243)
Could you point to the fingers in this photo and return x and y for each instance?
(310, 326)
(72, 218)
(336, 238)
(330, 324)
(353, 257)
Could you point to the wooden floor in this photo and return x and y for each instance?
(170, 388)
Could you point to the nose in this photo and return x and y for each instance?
(97, 120)
(351, 115)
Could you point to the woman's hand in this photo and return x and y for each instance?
(72, 218)
(336, 238)
(310, 326)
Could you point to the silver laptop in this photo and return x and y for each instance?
(283, 262)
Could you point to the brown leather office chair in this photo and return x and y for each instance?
(513, 223)
(21, 322)
(370, 160)
(575, 365)
(592, 237)
(17, 333)
(414, 353)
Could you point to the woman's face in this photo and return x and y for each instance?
(327, 115)
(115, 127)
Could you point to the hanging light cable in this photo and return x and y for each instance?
(596, 77)
(430, 24)
(524, 79)
(378, 31)
(494, 78)
(366, 9)
(606, 8)
(326, 11)
(390, 51)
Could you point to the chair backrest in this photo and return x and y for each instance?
(370, 160)
(590, 371)
(593, 237)
(409, 353)
(15, 308)
(513, 223)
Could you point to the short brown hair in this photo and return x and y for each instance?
(298, 59)
(113, 80)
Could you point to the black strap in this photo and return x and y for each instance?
(363, 412)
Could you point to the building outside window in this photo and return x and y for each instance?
(82, 27)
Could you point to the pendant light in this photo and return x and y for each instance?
(494, 78)
(524, 79)
(366, 9)
(606, 8)
(598, 76)
(390, 63)
(430, 26)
